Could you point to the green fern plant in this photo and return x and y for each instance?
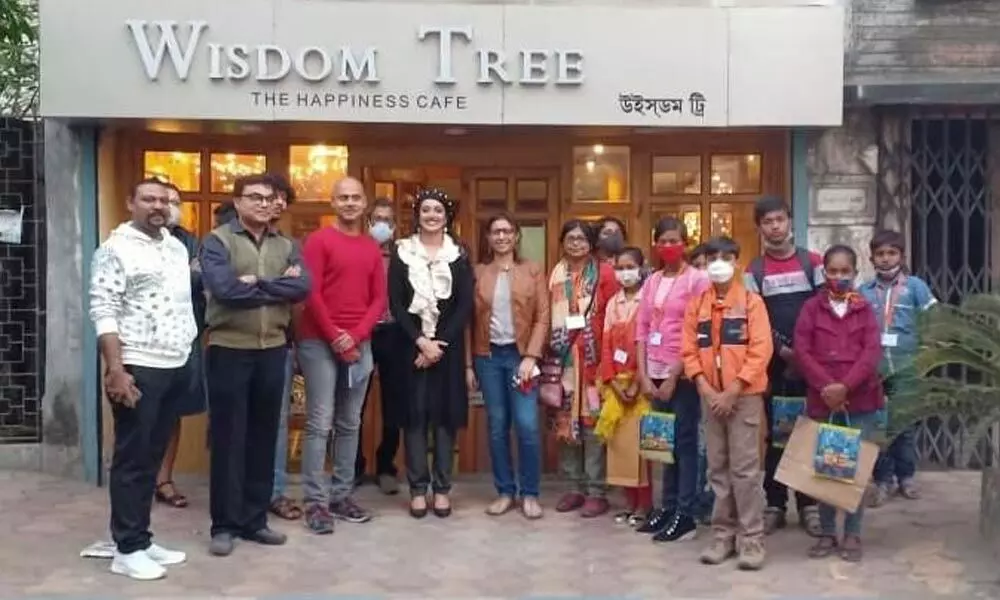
(965, 336)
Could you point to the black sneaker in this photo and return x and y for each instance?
(347, 510)
(657, 520)
(682, 528)
(318, 519)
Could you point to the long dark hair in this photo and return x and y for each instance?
(486, 251)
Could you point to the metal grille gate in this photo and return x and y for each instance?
(936, 170)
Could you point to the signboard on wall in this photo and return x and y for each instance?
(300, 60)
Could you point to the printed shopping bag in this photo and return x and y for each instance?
(836, 453)
(656, 436)
(785, 410)
(796, 469)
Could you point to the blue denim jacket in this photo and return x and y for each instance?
(907, 296)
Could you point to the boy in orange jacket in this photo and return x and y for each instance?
(726, 347)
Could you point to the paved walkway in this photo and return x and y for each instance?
(916, 549)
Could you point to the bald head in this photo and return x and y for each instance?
(349, 202)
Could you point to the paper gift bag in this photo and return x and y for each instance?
(785, 410)
(796, 469)
(656, 436)
(625, 464)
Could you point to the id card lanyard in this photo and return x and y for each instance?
(890, 340)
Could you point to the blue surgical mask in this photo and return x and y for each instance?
(381, 231)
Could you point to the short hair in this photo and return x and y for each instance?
(383, 202)
(280, 184)
(243, 183)
(670, 224)
(768, 204)
(722, 245)
(609, 219)
(698, 251)
(634, 252)
(588, 230)
(147, 181)
(841, 249)
(171, 186)
(888, 237)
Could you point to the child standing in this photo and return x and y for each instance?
(726, 349)
(619, 385)
(897, 299)
(838, 351)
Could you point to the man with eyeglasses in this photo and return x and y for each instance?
(334, 351)
(253, 275)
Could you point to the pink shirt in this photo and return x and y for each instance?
(661, 311)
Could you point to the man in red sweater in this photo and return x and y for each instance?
(347, 299)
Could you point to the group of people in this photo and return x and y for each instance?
(602, 338)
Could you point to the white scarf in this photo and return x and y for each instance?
(430, 279)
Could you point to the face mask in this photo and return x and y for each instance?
(381, 231)
(670, 254)
(628, 277)
(612, 243)
(173, 215)
(839, 286)
(888, 274)
(779, 243)
(720, 271)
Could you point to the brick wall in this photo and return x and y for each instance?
(22, 284)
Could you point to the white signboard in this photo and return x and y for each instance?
(301, 60)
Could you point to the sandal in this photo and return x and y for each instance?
(824, 546)
(811, 521)
(286, 508)
(442, 510)
(173, 498)
(851, 550)
(500, 506)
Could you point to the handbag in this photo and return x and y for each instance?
(550, 387)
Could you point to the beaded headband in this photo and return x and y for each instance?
(437, 195)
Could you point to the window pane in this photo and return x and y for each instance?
(182, 169)
(533, 242)
(313, 170)
(676, 175)
(385, 189)
(191, 217)
(225, 169)
(491, 195)
(600, 173)
(736, 174)
(532, 195)
(690, 215)
(735, 220)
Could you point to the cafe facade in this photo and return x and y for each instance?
(546, 111)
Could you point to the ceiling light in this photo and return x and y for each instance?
(598, 149)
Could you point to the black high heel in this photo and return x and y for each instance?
(442, 513)
(418, 513)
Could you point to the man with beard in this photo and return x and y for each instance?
(193, 402)
(785, 276)
(140, 303)
(253, 275)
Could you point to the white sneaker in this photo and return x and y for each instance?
(137, 565)
(165, 557)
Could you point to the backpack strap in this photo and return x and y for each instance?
(756, 269)
(805, 259)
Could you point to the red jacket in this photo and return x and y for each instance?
(831, 349)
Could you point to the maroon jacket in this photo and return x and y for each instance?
(830, 349)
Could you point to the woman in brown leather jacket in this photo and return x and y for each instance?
(508, 335)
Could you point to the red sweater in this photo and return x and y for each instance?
(831, 349)
(348, 285)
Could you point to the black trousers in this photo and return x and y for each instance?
(141, 437)
(424, 472)
(777, 492)
(386, 341)
(244, 388)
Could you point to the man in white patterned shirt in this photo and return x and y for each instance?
(140, 304)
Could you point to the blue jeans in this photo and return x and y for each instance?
(680, 479)
(329, 405)
(899, 461)
(506, 403)
(867, 423)
(281, 446)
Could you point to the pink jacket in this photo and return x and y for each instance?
(668, 319)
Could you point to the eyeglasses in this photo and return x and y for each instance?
(502, 232)
(260, 199)
(577, 239)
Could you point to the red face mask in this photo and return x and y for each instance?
(670, 254)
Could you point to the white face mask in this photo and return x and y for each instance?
(174, 215)
(720, 271)
(627, 277)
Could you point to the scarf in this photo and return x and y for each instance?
(429, 278)
(572, 294)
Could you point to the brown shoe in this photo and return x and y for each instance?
(594, 507)
(570, 502)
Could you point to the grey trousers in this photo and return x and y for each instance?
(584, 464)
